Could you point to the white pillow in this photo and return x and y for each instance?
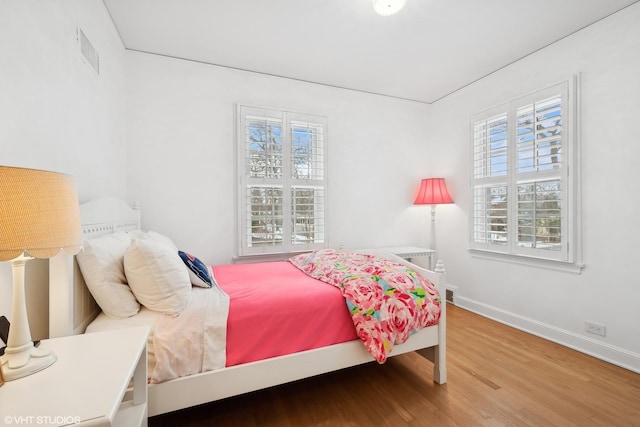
(157, 276)
(101, 262)
(159, 238)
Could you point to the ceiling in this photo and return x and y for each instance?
(428, 50)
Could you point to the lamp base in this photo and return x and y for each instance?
(25, 362)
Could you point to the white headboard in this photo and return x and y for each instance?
(71, 306)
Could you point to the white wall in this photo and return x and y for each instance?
(549, 303)
(182, 153)
(179, 161)
(56, 113)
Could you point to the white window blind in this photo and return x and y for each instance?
(523, 177)
(490, 214)
(282, 187)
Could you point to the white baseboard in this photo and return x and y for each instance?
(609, 353)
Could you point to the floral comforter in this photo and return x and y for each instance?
(387, 300)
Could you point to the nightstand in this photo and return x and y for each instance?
(86, 386)
(409, 252)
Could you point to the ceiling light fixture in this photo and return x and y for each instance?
(388, 7)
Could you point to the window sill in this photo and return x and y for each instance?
(283, 256)
(547, 264)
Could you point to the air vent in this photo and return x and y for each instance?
(451, 294)
(88, 52)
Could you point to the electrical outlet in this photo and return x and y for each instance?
(595, 328)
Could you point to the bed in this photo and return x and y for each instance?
(73, 309)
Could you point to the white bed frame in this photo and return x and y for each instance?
(72, 308)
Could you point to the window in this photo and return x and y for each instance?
(282, 181)
(524, 195)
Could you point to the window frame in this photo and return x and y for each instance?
(316, 180)
(568, 257)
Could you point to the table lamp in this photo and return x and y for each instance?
(433, 191)
(39, 217)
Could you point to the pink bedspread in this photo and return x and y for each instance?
(275, 309)
(387, 300)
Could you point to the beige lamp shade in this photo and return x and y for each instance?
(39, 213)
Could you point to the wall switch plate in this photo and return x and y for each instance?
(595, 328)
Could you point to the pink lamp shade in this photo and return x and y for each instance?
(433, 191)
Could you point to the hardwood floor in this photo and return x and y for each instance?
(497, 376)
